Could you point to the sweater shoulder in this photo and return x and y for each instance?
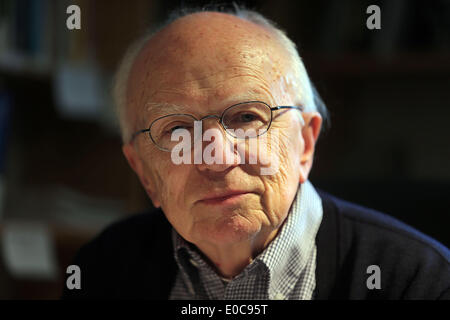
(405, 256)
(359, 219)
(130, 251)
(135, 229)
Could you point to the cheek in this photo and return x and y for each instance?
(285, 149)
(282, 186)
(172, 189)
(292, 146)
(169, 181)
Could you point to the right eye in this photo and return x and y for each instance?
(244, 118)
(171, 128)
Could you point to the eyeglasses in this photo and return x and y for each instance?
(242, 121)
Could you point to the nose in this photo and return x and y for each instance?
(219, 152)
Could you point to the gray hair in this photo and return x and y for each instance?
(307, 92)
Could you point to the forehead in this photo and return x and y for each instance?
(158, 108)
(205, 55)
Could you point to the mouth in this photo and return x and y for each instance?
(229, 197)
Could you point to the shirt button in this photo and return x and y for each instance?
(279, 296)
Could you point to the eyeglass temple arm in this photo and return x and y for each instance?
(287, 107)
(138, 133)
(300, 108)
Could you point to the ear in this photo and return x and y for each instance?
(310, 133)
(136, 164)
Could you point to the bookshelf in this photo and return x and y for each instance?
(58, 156)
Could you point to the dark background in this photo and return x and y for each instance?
(387, 146)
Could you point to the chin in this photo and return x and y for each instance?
(228, 231)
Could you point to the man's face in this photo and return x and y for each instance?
(203, 64)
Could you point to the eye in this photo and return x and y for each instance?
(169, 129)
(245, 117)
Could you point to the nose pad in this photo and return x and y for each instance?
(219, 125)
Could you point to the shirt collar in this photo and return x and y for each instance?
(286, 256)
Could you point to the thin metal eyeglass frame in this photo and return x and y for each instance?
(300, 108)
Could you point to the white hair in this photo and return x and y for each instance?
(306, 91)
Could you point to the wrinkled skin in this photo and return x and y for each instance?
(204, 63)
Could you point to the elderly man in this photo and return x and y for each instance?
(225, 228)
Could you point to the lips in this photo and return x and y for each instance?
(223, 197)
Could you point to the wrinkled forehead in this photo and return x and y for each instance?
(199, 47)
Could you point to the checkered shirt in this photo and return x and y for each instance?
(285, 269)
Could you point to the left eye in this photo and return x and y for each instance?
(247, 117)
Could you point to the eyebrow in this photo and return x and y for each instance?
(162, 108)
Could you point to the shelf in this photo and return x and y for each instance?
(363, 65)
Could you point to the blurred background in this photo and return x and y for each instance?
(62, 174)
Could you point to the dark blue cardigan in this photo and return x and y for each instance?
(133, 258)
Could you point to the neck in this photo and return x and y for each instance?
(229, 260)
